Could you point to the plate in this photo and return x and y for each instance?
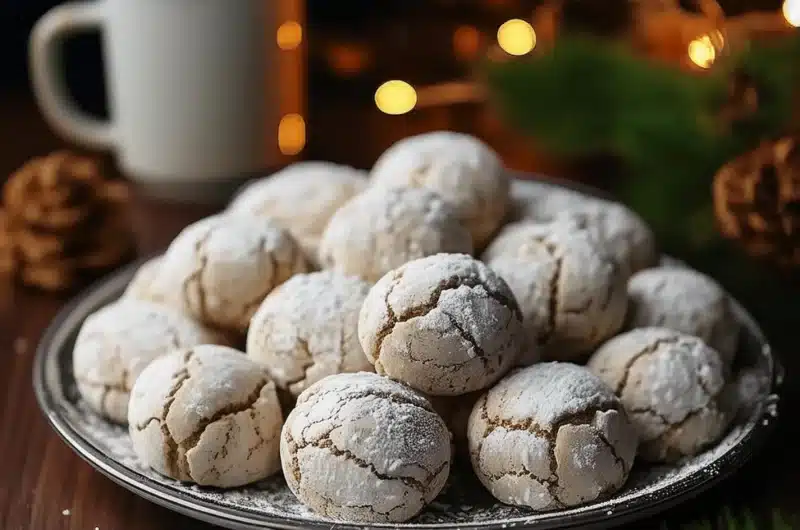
(464, 504)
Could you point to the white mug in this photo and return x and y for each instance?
(192, 84)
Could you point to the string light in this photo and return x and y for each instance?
(291, 134)
(516, 37)
(702, 52)
(289, 35)
(395, 97)
(791, 12)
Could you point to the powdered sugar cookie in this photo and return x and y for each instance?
(302, 198)
(445, 325)
(382, 229)
(672, 386)
(227, 264)
(118, 341)
(466, 172)
(551, 436)
(571, 293)
(206, 415)
(684, 300)
(624, 234)
(362, 448)
(305, 330)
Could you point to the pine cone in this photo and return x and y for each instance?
(757, 201)
(66, 222)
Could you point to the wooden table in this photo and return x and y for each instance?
(45, 486)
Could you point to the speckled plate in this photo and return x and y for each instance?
(464, 504)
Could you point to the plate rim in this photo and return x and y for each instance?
(59, 330)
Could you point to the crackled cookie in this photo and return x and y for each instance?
(302, 198)
(551, 436)
(207, 415)
(227, 264)
(672, 386)
(305, 330)
(624, 234)
(466, 172)
(571, 293)
(145, 284)
(445, 325)
(364, 449)
(382, 229)
(684, 300)
(116, 343)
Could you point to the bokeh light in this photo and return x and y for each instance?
(291, 134)
(395, 97)
(702, 52)
(289, 35)
(516, 37)
(466, 42)
(791, 12)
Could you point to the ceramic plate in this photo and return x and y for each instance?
(464, 504)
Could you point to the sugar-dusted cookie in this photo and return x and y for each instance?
(226, 264)
(207, 415)
(445, 325)
(461, 168)
(571, 292)
(116, 343)
(362, 448)
(624, 234)
(551, 436)
(382, 229)
(672, 386)
(684, 300)
(305, 329)
(302, 197)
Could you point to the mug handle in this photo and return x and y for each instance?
(47, 74)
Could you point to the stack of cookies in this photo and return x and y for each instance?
(63, 222)
(528, 327)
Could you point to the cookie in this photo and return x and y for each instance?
(364, 449)
(624, 234)
(466, 172)
(226, 265)
(571, 293)
(206, 415)
(305, 330)
(302, 198)
(118, 341)
(687, 301)
(551, 436)
(445, 325)
(672, 386)
(382, 229)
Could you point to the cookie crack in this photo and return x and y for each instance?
(467, 336)
(307, 362)
(229, 410)
(613, 450)
(449, 284)
(652, 348)
(171, 447)
(552, 482)
(546, 334)
(327, 444)
(196, 277)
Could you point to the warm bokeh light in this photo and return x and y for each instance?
(347, 59)
(791, 12)
(395, 97)
(291, 134)
(702, 52)
(290, 35)
(466, 42)
(516, 37)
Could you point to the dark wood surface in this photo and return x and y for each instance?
(45, 486)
